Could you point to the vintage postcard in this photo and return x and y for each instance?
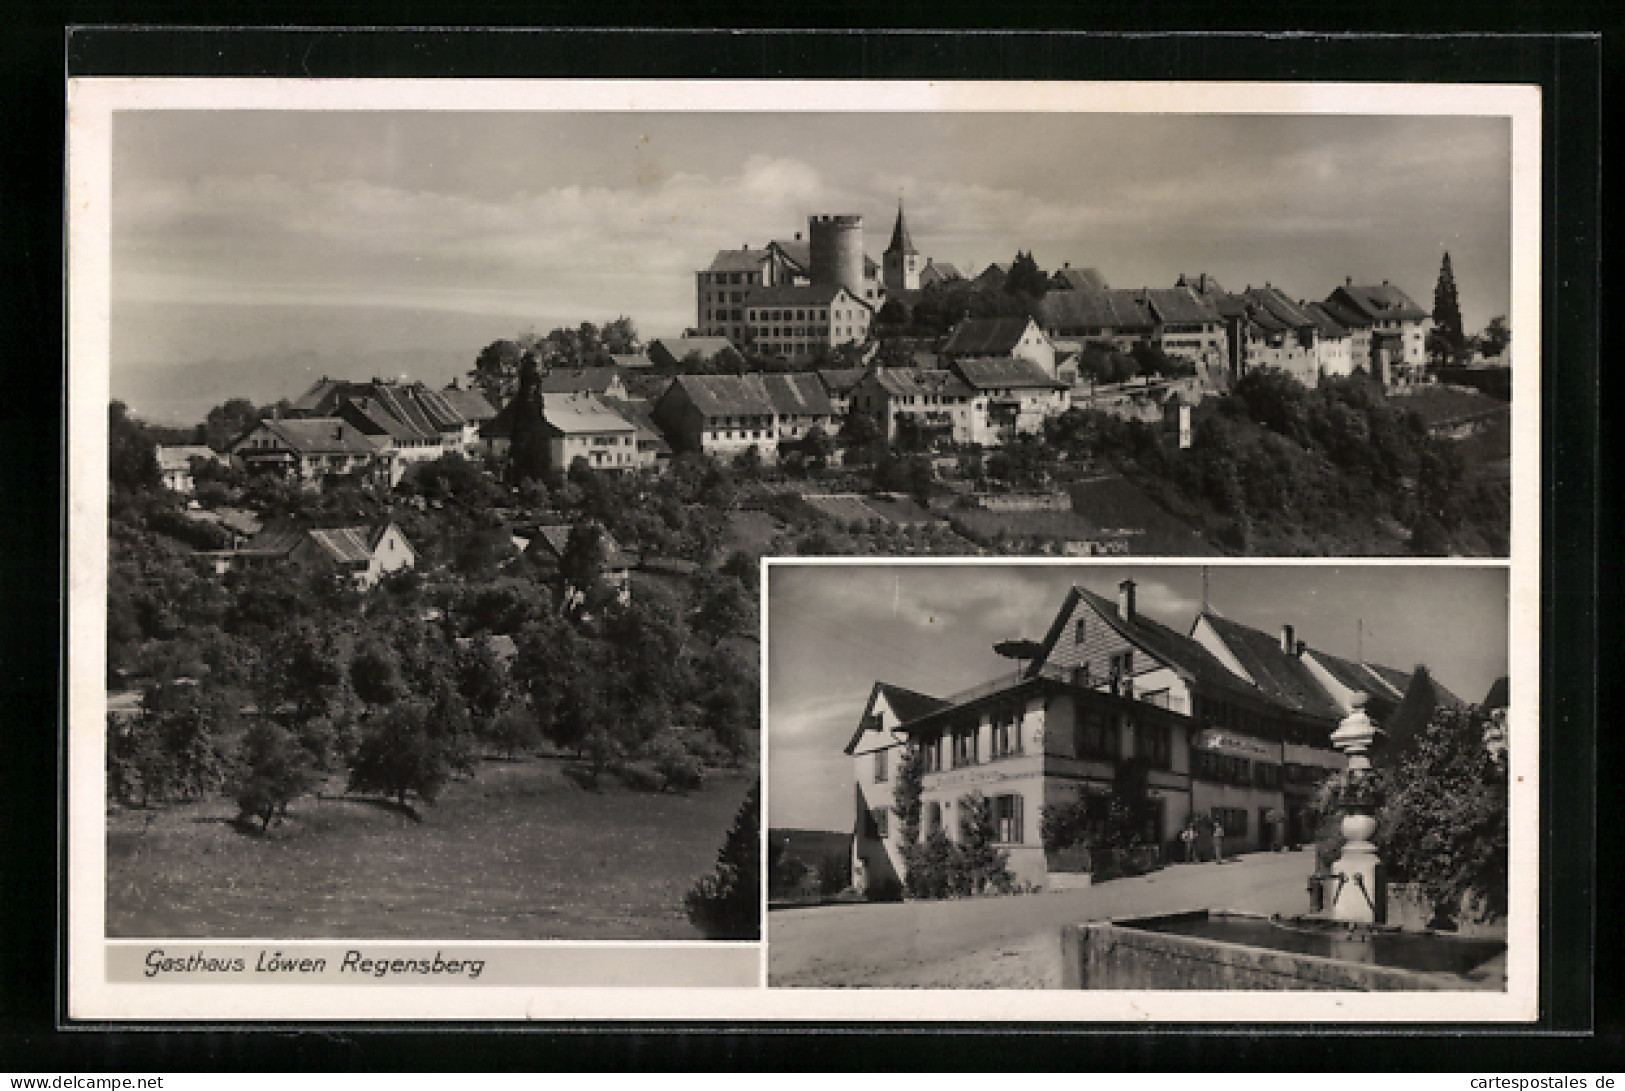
(437, 446)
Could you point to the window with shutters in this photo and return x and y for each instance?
(1007, 819)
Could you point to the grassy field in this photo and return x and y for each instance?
(514, 853)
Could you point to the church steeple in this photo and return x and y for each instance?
(900, 241)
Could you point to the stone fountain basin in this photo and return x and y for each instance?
(1217, 949)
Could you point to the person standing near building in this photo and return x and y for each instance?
(1218, 841)
(1188, 835)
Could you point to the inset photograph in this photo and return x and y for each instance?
(1092, 776)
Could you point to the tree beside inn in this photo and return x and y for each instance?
(1223, 722)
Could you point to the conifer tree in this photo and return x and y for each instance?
(528, 441)
(1447, 314)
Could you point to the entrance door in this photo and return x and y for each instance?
(1266, 830)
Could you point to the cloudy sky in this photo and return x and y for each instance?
(287, 241)
(834, 630)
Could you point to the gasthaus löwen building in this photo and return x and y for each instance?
(1225, 722)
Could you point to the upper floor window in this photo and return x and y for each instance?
(931, 754)
(1156, 746)
(1006, 733)
(965, 745)
(880, 766)
(1094, 733)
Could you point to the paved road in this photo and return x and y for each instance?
(1009, 942)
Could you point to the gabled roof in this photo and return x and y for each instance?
(275, 540)
(906, 381)
(636, 412)
(746, 260)
(555, 539)
(983, 372)
(1178, 305)
(943, 269)
(798, 252)
(1203, 284)
(1326, 324)
(1272, 310)
(373, 418)
(796, 295)
(725, 395)
(1087, 279)
(1114, 308)
(1180, 652)
(1282, 676)
(986, 336)
(180, 458)
(320, 436)
(906, 703)
(348, 545)
(400, 410)
(576, 380)
(1344, 315)
(680, 348)
(900, 240)
(840, 380)
(795, 393)
(1380, 301)
(633, 360)
(1499, 695)
(470, 404)
(581, 414)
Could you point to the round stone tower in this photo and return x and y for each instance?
(836, 250)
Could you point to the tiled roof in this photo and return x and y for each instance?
(680, 348)
(986, 336)
(944, 269)
(316, 399)
(1282, 676)
(1176, 649)
(737, 261)
(1086, 279)
(636, 411)
(725, 395)
(321, 435)
(1116, 308)
(400, 410)
(180, 458)
(346, 545)
(908, 704)
(555, 539)
(633, 360)
(581, 414)
(1345, 315)
(795, 295)
(798, 251)
(1179, 305)
(984, 372)
(577, 380)
(371, 417)
(275, 540)
(840, 380)
(1381, 300)
(906, 381)
(796, 393)
(1326, 324)
(1272, 310)
(437, 407)
(756, 395)
(1203, 284)
(470, 404)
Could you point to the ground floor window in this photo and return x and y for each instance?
(1007, 819)
(1233, 819)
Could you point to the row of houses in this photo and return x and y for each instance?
(1220, 720)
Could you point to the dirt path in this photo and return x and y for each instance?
(1010, 943)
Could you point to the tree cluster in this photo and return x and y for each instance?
(939, 866)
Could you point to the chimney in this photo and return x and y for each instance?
(1348, 282)
(1300, 651)
(1125, 600)
(798, 236)
(1287, 643)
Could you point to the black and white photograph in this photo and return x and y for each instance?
(1177, 777)
(449, 440)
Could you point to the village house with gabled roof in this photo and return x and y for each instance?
(1333, 343)
(839, 383)
(798, 322)
(1083, 279)
(1270, 330)
(363, 554)
(601, 381)
(313, 451)
(1225, 722)
(473, 407)
(415, 423)
(653, 452)
(921, 405)
(547, 547)
(1014, 396)
(1394, 326)
(726, 415)
(938, 273)
(175, 465)
(581, 426)
(1019, 337)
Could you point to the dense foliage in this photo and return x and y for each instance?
(727, 903)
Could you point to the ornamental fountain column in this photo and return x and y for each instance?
(1353, 894)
